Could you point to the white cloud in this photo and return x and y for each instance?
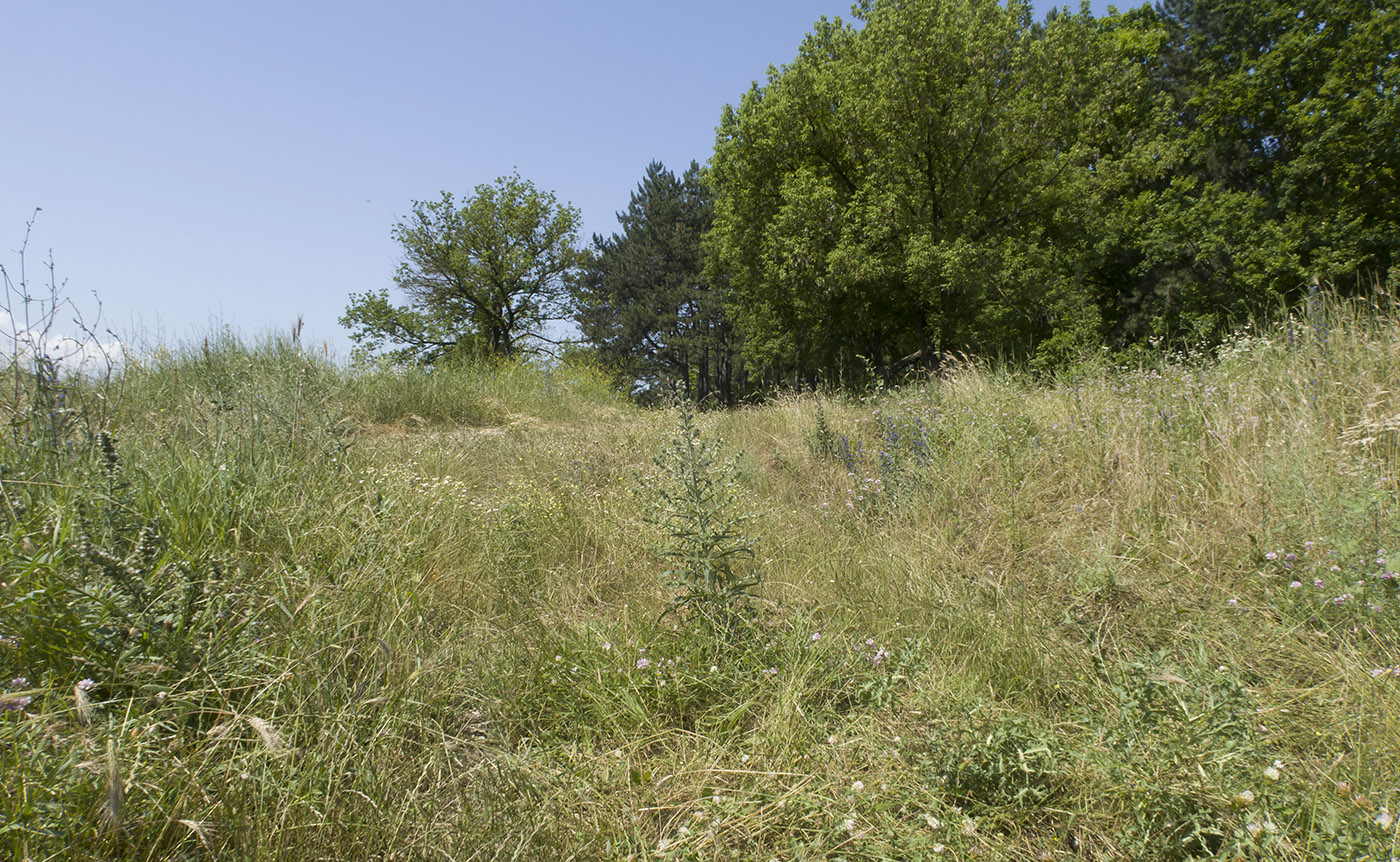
(84, 354)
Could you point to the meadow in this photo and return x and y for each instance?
(257, 606)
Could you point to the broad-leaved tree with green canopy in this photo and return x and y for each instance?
(486, 275)
(930, 182)
(1287, 160)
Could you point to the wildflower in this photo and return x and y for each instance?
(816, 636)
(1318, 583)
(969, 827)
(1243, 799)
(19, 682)
(772, 671)
(933, 822)
(1295, 585)
(714, 668)
(1308, 545)
(607, 646)
(1272, 773)
(1234, 603)
(1254, 829)
(831, 740)
(15, 704)
(938, 849)
(1385, 819)
(1271, 556)
(858, 786)
(849, 824)
(643, 662)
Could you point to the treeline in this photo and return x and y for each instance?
(951, 176)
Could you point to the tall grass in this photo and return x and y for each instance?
(267, 608)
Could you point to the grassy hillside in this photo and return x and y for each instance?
(257, 607)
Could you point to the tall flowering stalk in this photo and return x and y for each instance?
(697, 506)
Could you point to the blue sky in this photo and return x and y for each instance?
(205, 164)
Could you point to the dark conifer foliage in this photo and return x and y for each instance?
(643, 300)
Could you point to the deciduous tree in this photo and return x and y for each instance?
(489, 274)
(929, 182)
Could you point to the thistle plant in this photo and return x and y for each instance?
(698, 508)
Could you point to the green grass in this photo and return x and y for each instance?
(386, 614)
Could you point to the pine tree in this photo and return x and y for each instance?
(643, 300)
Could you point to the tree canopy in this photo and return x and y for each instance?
(954, 177)
(642, 298)
(487, 275)
(1286, 149)
(926, 183)
(951, 176)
